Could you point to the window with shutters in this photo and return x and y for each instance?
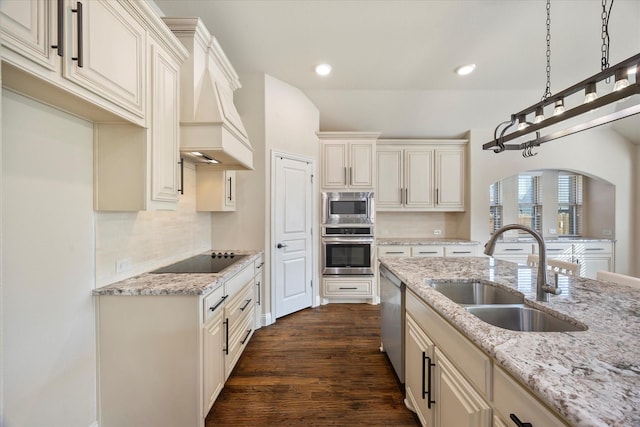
(495, 206)
(530, 201)
(569, 204)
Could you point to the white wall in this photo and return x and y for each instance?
(598, 152)
(48, 325)
(277, 117)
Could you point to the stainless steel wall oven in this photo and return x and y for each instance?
(347, 250)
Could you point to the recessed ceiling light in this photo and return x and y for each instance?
(323, 69)
(463, 70)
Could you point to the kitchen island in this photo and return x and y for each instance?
(590, 378)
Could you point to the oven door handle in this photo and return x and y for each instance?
(364, 240)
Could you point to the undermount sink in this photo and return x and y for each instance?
(522, 318)
(474, 293)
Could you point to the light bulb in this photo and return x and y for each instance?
(464, 70)
(323, 69)
(621, 80)
(559, 107)
(522, 122)
(590, 93)
(539, 115)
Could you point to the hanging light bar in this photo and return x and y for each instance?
(621, 73)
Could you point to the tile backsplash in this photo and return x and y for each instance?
(418, 224)
(130, 243)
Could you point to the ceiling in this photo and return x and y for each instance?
(395, 49)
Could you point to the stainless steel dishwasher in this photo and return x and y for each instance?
(392, 298)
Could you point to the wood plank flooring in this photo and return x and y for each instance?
(317, 367)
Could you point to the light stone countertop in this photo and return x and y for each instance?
(591, 377)
(408, 241)
(178, 283)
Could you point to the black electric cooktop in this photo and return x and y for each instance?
(214, 263)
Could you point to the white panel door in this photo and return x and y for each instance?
(292, 221)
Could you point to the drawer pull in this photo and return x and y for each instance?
(246, 337)
(245, 305)
(519, 423)
(226, 336)
(214, 307)
(394, 252)
(594, 249)
(513, 249)
(554, 250)
(461, 252)
(352, 288)
(428, 252)
(427, 369)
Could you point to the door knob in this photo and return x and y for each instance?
(281, 245)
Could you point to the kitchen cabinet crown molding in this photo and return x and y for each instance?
(195, 29)
(347, 135)
(420, 141)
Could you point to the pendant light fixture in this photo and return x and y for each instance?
(563, 106)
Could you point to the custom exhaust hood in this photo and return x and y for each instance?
(211, 130)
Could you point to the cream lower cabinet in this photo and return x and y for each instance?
(349, 288)
(164, 359)
(450, 382)
(428, 250)
(436, 390)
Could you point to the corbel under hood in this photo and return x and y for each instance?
(210, 124)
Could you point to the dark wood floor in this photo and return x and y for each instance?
(317, 367)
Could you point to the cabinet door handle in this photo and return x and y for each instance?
(345, 176)
(245, 305)
(402, 196)
(258, 285)
(60, 45)
(80, 56)
(350, 175)
(230, 193)
(519, 423)
(226, 335)
(437, 196)
(246, 337)
(181, 163)
(426, 388)
(214, 307)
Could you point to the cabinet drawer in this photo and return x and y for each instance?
(394, 251)
(460, 250)
(348, 287)
(240, 304)
(593, 248)
(236, 283)
(509, 397)
(467, 358)
(514, 248)
(427, 251)
(213, 303)
(238, 338)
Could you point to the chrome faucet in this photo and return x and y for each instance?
(542, 288)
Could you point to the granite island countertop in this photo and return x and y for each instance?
(178, 283)
(592, 377)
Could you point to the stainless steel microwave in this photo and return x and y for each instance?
(348, 207)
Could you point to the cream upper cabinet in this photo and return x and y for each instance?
(29, 27)
(348, 160)
(87, 57)
(215, 189)
(420, 175)
(106, 52)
